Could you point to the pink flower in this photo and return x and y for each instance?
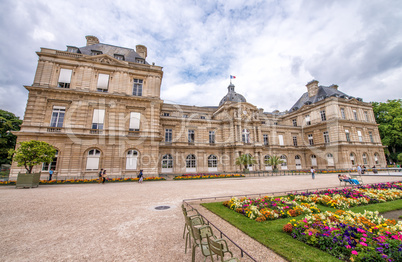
(348, 246)
(363, 239)
(363, 244)
(309, 233)
(364, 235)
(354, 252)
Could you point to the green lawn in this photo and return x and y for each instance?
(270, 234)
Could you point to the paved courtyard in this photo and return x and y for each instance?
(118, 221)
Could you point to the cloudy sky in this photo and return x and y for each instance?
(272, 47)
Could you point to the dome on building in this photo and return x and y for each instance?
(232, 96)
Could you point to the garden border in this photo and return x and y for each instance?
(242, 251)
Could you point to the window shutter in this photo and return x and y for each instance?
(280, 140)
(99, 116)
(135, 120)
(65, 75)
(103, 81)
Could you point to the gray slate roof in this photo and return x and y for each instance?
(129, 54)
(323, 92)
(232, 96)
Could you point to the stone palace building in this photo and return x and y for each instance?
(100, 107)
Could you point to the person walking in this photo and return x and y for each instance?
(359, 170)
(140, 176)
(104, 176)
(312, 172)
(50, 174)
(100, 176)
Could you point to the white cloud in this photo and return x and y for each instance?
(273, 47)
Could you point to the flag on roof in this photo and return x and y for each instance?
(232, 77)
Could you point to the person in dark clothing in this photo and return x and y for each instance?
(104, 176)
(100, 175)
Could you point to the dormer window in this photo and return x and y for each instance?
(96, 52)
(119, 57)
(72, 49)
(140, 61)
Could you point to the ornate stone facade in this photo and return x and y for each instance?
(100, 106)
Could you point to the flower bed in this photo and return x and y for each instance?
(350, 197)
(81, 181)
(350, 236)
(269, 208)
(205, 176)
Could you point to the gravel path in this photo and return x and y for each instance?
(118, 221)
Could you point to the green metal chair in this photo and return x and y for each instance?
(195, 220)
(200, 236)
(218, 248)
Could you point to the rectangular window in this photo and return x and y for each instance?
(57, 116)
(166, 114)
(202, 117)
(294, 122)
(98, 118)
(280, 137)
(308, 122)
(355, 114)
(366, 116)
(137, 87)
(96, 52)
(359, 134)
(103, 83)
(310, 139)
(323, 116)
(326, 137)
(168, 135)
(266, 141)
(64, 78)
(191, 136)
(347, 135)
(343, 113)
(371, 137)
(295, 140)
(185, 116)
(135, 121)
(119, 57)
(212, 137)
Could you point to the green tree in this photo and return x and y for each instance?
(8, 122)
(32, 153)
(389, 117)
(245, 161)
(274, 161)
(400, 157)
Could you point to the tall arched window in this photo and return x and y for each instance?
(93, 159)
(212, 163)
(352, 159)
(191, 163)
(313, 160)
(284, 164)
(298, 162)
(330, 159)
(267, 165)
(167, 163)
(376, 158)
(364, 158)
(47, 167)
(131, 160)
(245, 136)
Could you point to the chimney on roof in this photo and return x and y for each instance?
(92, 40)
(141, 50)
(334, 86)
(312, 88)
